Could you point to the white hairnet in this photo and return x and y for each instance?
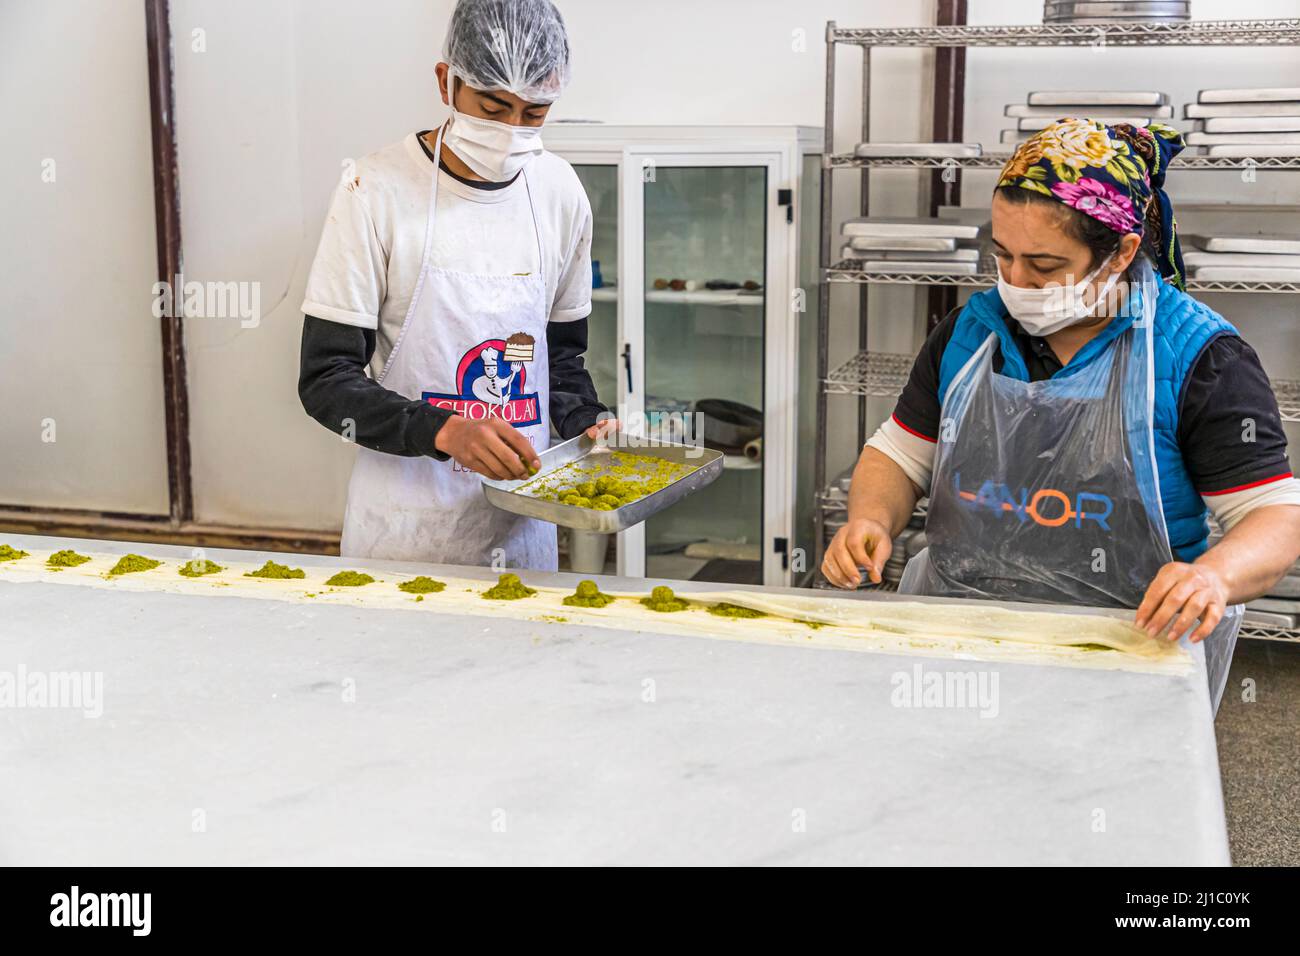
(515, 45)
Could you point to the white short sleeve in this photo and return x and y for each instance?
(348, 279)
(573, 292)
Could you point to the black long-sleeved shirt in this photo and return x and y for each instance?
(336, 391)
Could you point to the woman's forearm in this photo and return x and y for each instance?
(1254, 555)
(881, 492)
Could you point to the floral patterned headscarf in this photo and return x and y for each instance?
(1115, 174)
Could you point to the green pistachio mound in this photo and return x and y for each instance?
(67, 558)
(350, 579)
(421, 585)
(131, 563)
(10, 554)
(508, 588)
(588, 595)
(734, 610)
(663, 599)
(197, 568)
(276, 571)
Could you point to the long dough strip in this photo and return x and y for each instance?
(965, 622)
(956, 632)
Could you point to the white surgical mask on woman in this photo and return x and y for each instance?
(1041, 312)
(495, 151)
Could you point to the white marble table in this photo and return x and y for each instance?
(226, 738)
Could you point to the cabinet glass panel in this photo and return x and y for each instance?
(705, 249)
(601, 184)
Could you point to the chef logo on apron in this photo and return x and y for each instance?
(492, 379)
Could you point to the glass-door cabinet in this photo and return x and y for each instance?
(699, 298)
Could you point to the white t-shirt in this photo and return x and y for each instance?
(372, 243)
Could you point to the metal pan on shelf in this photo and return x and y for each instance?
(1128, 98)
(1257, 94)
(1251, 124)
(1261, 243)
(1076, 11)
(909, 244)
(852, 250)
(904, 268)
(891, 226)
(1243, 274)
(913, 150)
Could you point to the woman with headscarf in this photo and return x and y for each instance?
(1075, 426)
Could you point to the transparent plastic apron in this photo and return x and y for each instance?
(1048, 491)
(458, 348)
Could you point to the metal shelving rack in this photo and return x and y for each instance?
(875, 374)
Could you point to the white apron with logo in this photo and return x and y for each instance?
(454, 350)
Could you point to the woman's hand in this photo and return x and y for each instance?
(1180, 594)
(862, 543)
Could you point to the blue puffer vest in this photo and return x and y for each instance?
(1183, 327)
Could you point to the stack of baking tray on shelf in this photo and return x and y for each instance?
(901, 246)
(1246, 122)
(1242, 258)
(1042, 108)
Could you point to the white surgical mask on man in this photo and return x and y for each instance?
(1041, 312)
(495, 151)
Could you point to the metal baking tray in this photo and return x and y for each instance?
(1032, 124)
(1075, 11)
(1091, 111)
(1097, 98)
(904, 268)
(894, 226)
(1251, 124)
(1261, 243)
(879, 150)
(1255, 260)
(1270, 94)
(1242, 139)
(1268, 619)
(854, 251)
(1243, 274)
(507, 495)
(1252, 150)
(1274, 606)
(1207, 110)
(910, 244)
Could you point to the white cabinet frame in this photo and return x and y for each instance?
(779, 151)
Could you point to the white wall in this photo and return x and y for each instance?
(81, 360)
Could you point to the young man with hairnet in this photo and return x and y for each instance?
(456, 264)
